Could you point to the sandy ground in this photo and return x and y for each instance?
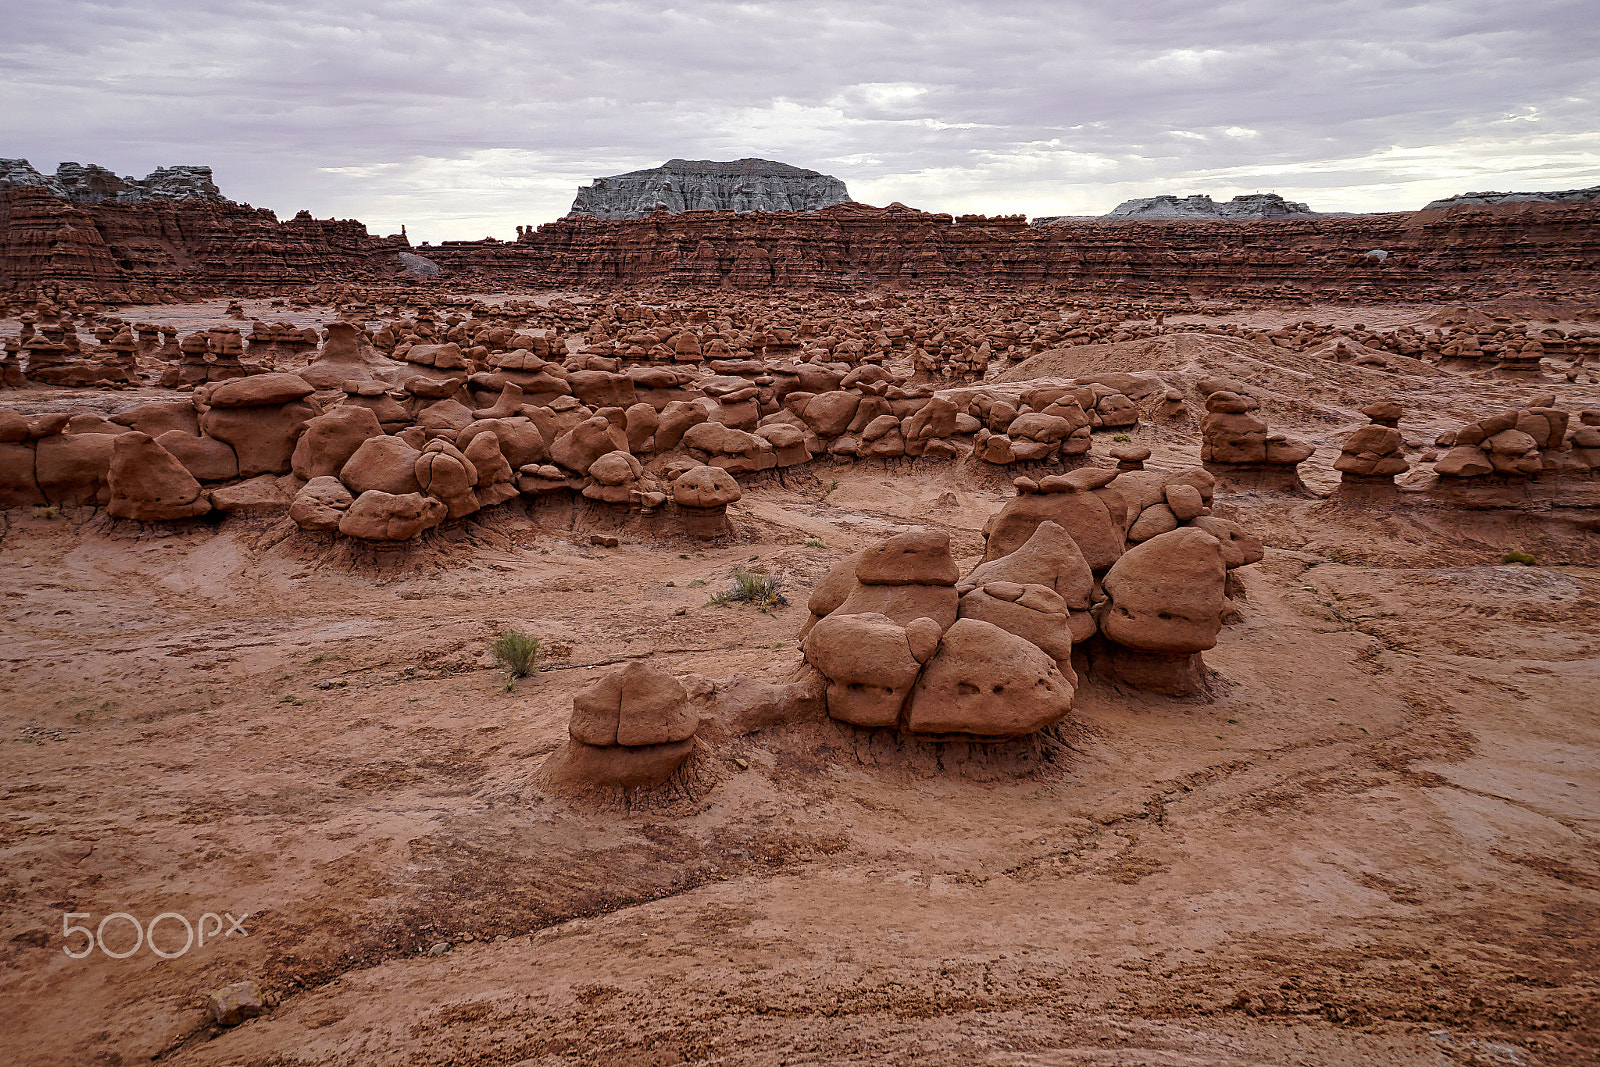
(1374, 844)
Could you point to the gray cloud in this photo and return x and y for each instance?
(463, 120)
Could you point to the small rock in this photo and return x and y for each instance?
(233, 1004)
(681, 611)
(603, 540)
(440, 949)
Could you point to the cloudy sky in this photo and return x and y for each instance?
(465, 119)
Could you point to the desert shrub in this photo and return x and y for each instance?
(1519, 557)
(751, 588)
(517, 652)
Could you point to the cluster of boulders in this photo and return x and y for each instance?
(1050, 420)
(1131, 565)
(385, 445)
(1523, 443)
(901, 647)
(49, 351)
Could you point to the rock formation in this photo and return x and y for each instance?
(87, 227)
(1252, 206)
(1373, 453)
(630, 730)
(92, 184)
(1239, 446)
(680, 185)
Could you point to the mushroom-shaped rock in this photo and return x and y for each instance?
(614, 478)
(638, 705)
(1166, 595)
(346, 356)
(380, 516)
(869, 663)
(705, 487)
(320, 504)
(630, 730)
(149, 484)
(984, 682)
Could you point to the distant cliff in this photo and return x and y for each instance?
(681, 185)
(93, 184)
(1253, 206)
(87, 227)
(1482, 199)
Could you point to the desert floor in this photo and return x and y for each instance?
(1375, 843)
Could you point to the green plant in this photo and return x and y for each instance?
(831, 487)
(815, 542)
(1519, 557)
(1121, 438)
(751, 588)
(518, 653)
(47, 511)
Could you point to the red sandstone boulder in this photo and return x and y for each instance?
(147, 483)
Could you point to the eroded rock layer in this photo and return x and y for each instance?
(1424, 255)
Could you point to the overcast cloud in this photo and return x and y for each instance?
(467, 119)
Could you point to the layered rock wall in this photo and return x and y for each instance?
(1426, 255)
(108, 244)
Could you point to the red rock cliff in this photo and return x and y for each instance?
(853, 244)
(45, 238)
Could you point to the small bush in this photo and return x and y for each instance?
(815, 542)
(47, 511)
(1519, 557)
(517, 652)
(1121, 438)
(751, 588)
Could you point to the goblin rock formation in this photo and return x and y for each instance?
(681, 185)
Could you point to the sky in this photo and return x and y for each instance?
(467, 119)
